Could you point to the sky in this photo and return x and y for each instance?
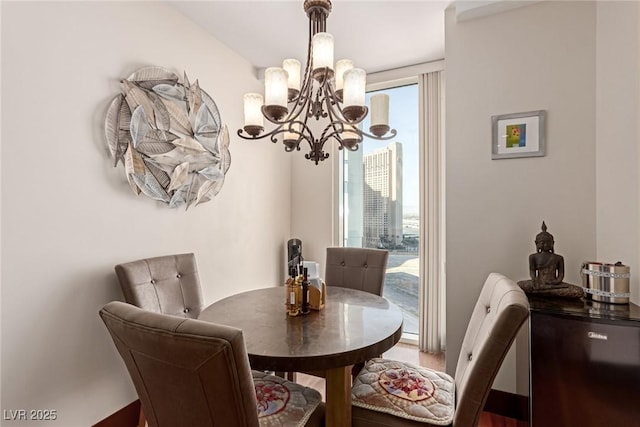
(403, 117)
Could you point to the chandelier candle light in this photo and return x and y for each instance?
(324, 92)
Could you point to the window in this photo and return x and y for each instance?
(380, 199)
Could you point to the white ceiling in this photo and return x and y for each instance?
(376, 35)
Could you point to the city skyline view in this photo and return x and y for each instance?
(403, 116)
(380, 200)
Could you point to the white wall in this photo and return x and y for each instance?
(312, 201)
(617, 107)
(68, 216)
(538, 57)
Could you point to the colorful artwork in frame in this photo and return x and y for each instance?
(169, 136)
(518, 135)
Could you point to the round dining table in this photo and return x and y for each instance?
(353, 327)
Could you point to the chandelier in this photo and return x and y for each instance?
(336, 94)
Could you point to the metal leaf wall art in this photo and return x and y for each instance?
(169, 137)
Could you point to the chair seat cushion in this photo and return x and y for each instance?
(282, 403)
(406, 391)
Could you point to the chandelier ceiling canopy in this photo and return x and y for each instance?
(335, 92)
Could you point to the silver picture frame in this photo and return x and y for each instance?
(518, 135)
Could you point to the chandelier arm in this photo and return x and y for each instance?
(336, 125)
(338, 128)
(306, 137)
(324, 137)
(308, 134)
(335, 133)
(306, 91)
(332, 101)
(306, 86)
(326, 90)
(305, 99)
(252, 137)
(277, 130)
(304, 133)
(392, 134)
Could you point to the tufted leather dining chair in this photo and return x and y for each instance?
(356, 268)
(188, 373)
(166, 284)
(500, 311)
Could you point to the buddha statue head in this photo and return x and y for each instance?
(544, 240)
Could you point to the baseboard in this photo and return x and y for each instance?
(508, 405)
(128, 416)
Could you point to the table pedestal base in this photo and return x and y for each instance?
(338, 389)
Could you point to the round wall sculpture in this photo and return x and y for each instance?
(169, 137)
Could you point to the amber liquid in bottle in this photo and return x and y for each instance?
(293, 307)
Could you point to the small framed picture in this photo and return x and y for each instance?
(518, 135)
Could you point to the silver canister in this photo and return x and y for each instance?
(608, 283)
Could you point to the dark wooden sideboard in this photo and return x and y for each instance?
(584, 364)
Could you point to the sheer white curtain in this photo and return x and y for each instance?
(432, 291)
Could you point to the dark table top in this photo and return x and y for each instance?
(353, 327)
(586, 309)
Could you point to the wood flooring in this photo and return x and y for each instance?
(410, 354)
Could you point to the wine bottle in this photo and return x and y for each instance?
(292, 294)
(305, 291)
(298, 292)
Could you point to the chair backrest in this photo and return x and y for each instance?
(186, 372)
(356, 268)
(166, 284)
(500, 311)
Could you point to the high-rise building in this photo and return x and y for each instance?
(382, 198)
(353, 191)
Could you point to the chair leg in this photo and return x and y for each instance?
(142, 421)
(289, 376)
